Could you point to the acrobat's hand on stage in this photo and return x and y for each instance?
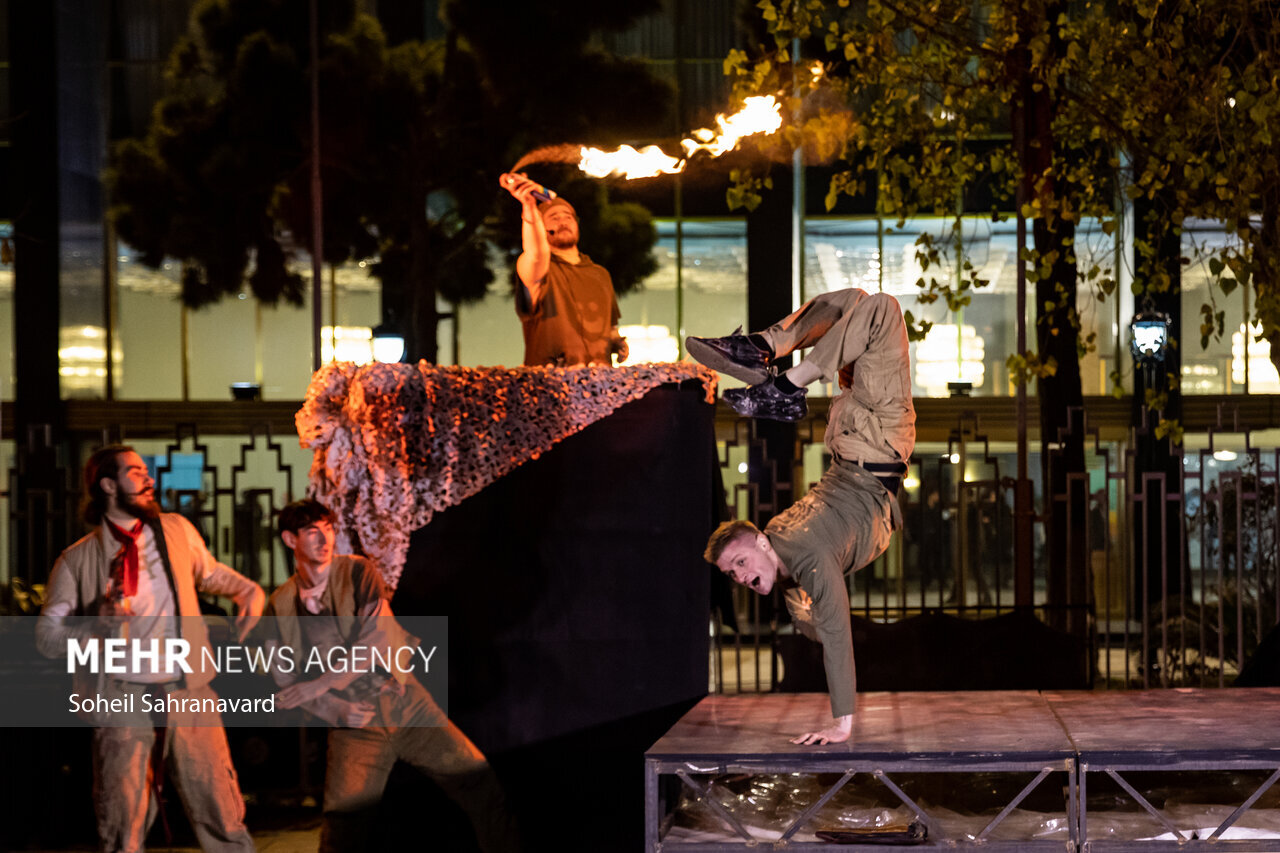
(837, 732)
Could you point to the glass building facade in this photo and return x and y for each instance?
(124, 334)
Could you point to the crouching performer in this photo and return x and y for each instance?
(378, 718)
(846, 520)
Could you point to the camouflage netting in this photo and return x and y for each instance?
(396, 443)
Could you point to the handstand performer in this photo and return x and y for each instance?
(846, 520)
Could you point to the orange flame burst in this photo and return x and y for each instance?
(761, 114)
(628, 162)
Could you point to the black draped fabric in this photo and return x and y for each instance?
(574, 586)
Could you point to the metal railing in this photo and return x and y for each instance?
(228, 486)
(1192, 620)
(1193, 617)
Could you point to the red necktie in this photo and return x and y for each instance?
(124, 568)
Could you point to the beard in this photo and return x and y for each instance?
(140, 506)
(562, 239)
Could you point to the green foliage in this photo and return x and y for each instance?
(221, 181)
(618, 236)
(1171, 102)
(745, 189)
(1025, 366)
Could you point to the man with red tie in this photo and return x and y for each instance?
(136, 576)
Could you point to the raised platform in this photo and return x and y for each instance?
(1192, 732)
(1007, 742)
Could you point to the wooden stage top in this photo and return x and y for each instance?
(968, 727)
(1156, 726)
(1145, 727)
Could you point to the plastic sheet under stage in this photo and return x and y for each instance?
(1013, 770)
(767, 804)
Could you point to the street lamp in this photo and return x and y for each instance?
(1149, 343)
(1150, 337)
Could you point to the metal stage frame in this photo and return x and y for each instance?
(1189, 730)
(997, 732)
(1078, 734)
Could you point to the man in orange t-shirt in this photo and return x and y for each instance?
(565, 301)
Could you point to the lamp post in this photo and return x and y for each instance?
(1148, 343)
(1157, 475)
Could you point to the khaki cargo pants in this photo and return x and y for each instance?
(197, 763)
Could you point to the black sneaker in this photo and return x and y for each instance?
(766, 401)
(735, 355)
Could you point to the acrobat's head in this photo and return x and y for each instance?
(742, 552)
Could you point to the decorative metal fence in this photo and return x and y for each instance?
(228, 486)
(1168, 583)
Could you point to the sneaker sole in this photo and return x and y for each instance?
(717, 361)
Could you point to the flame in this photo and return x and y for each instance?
(629, 162)
(762, 114)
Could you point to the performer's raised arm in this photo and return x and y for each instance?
(535, 254)
(565, 302)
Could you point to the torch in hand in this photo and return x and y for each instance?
(511, 181)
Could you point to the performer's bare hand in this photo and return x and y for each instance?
(621, 349)
(356, 715)
(837, 732)
(301, 693)
(249, 610)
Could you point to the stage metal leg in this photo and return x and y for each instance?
(651, 813)
(704, 791)
(934, 832)
(1075, 804)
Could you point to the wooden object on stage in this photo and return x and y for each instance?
(947, 727)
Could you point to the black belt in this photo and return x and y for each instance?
(889, 474)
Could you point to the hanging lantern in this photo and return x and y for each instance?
(1149, 337)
